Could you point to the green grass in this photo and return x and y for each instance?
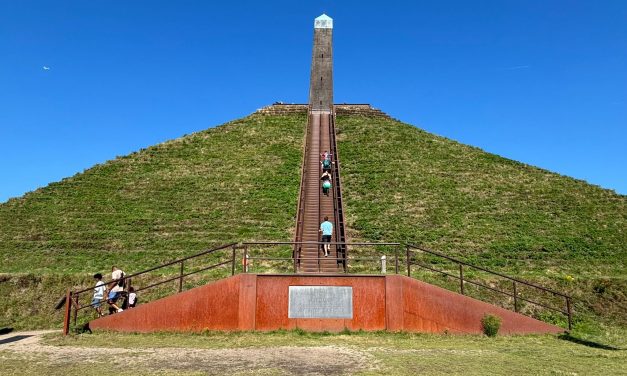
(401, 183)
(240, 182)
(385, 353)
(235, 182)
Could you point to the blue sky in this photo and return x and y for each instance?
(542, 82)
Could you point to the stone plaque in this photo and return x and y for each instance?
(320, 302)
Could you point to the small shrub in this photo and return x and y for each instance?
(491, 325)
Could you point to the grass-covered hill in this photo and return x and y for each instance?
(240, 182)
(235, 182)
(403, 183)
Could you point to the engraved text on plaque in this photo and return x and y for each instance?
(320, 302)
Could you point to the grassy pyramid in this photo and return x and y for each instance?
(240, 182)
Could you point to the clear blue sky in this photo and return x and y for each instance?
(542, 82)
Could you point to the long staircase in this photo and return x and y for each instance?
(314, 206)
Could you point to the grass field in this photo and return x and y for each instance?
(240, 181)
(299, 353)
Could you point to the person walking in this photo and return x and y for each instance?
(326, 182)
(115, 288)
(326, 228)
(99, 291)
(132, 297)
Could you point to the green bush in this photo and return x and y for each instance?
(491, 325)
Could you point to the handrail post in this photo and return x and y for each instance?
(570, 314)
(181, 276)
(461, 278)
(396, 260)
(345, 257)
(76, 306)
(408, 262)
(515, 297)
(245, 259)
(295, 255)
(298, 253)
(68, 307)
(318, 254)
(233, 261)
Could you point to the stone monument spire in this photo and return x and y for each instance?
(321, 83)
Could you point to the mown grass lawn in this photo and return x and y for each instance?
(370, 353)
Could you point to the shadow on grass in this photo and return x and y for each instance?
(13, 339)
(579, 341)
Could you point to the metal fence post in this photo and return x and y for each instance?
(408, 262)
(233, 261)
(181, 276)
(396, 260)
(461, 278)
(245, 259)
(296, 256)
(68, 307)
(75, 314)
(515, 297)
(570, 314)
(383, 265)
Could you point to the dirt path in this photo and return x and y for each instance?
(288, 360)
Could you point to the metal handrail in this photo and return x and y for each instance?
(72, 297)
(489, 271)
(339, 198)
(514, 295)
(300, 209)
(394, 256)
(310, 243)
(205, 252)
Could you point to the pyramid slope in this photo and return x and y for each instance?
(240, 182)
(403, 183)
(234, 182)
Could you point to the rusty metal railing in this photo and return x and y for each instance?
(300, 209)
(384, 258)
(338, 199)
(393, 253)
(73, 299)
(515, 293)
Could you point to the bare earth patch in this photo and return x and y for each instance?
(281, 360)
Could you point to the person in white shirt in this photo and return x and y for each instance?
(99, 291)
(115, 288)
(132, 297)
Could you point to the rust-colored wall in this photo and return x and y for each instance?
(213, 306)
(260, 302)
(368, 303)
(428, 308)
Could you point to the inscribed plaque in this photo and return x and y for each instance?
(320, 302)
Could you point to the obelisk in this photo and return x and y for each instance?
(321, 84)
